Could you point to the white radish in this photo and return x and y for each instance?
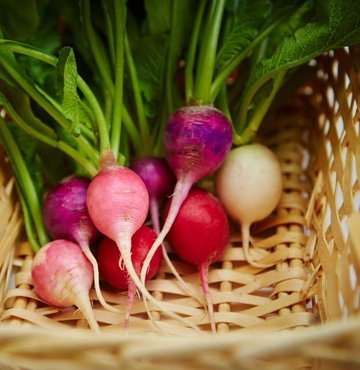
(249, 185)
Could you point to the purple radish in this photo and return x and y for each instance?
(108, 256)
(159, 181)
(66, 217)
(196, 141)
(62, 276)
(118, 204)
(199, 235)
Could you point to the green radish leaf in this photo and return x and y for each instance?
(149, 53)
(18, 19)
(22, 105)
(309, 32)
(336, 24)
(74, 109)
(248, 16)
(158, 15)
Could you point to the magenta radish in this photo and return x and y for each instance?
(108, 256)
(118, 204)
(62, 276)
(66, 217)
(196, 141)
(249, 185)
(199, 235)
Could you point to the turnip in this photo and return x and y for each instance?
(62, 276)
(66, 217)
(196, 141)
(199, 235)
(118, 204)
(249, 185)
(108, 256)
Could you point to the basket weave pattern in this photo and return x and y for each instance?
(311, 244)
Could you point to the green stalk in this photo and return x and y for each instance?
(29, 225)
(29, 88)
(24, 181)
(241, 120)
(208, 51)
(143, 123)
(132, 131)
(248, 134)
(54, 142)
(109, 32)
(223, 102)
(97, 47)
(98, 113)
(189, 68)
(172, 57)
(47, 106)
(119, 79)
(23, 49)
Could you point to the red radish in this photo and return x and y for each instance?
(199, 235)
(108, 256)
(118, 204)
(249, 185)
(66, 217)
(62, 276)
(196, 141)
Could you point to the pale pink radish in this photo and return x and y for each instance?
(249, 185)
(62, 276)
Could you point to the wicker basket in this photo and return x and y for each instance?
(301, 311)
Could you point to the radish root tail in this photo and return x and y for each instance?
(245, 235)
(124, 248)
(181, 191)
(204, 277)
(99, 295)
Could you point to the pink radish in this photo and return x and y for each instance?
(196, 141)
(62, 276)
(118, 204)
(108, 256)
(249, 185)
(66, 217)
(199, 235)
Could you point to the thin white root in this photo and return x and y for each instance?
(245, 235)
(99, 295)
(125, 252)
